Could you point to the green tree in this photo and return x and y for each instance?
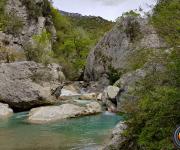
(166, 19)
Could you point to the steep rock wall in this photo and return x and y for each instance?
(31, 25)
(114, 50)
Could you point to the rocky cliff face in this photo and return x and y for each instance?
(117, 47)
(33, 22)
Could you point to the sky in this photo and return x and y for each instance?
(108, 9)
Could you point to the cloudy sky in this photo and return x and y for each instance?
(108, 9)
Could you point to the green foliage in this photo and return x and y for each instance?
(138, 58)
(37, 9)
(133, 30)
(12, 24)
(2, 5)
(74, 48)
(166, 19)
(95, 27)
(9, 23)
(156, 114)
(114, 75)
(131, 13)
(61, 23)
(72, 45)
(38, 50)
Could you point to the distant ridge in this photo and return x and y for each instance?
(77, 15)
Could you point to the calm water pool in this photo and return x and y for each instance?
(74, 134)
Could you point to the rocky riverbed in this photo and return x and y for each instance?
(53, 103)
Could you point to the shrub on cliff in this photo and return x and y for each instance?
(38, 50)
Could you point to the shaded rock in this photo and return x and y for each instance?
(54, 113)
(5, 111)
(99, 97)
(25, 85)
(116, 138)
(109, 97)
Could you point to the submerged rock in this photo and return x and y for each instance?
(48, 114)
(25, 85)
(5, 111)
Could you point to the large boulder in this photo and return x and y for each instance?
(53, 113)
(5, 111)
(48, 114)
(116, 138)
(93, 108)
(116, 48)
(25, 85)
(109, 97)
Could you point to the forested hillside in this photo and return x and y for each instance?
(76, 35)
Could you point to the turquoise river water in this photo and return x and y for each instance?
(85, 133)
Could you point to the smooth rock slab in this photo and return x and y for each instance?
(5, 111)
(48, 114)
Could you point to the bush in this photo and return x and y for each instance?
(138, 58)
(131, 13)
(166, 19)
(9, 23)
(38, 51)
(37, 9)
(8, 55)
(114, 74)
(153, 118)
(156, 113)
(12, 24)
